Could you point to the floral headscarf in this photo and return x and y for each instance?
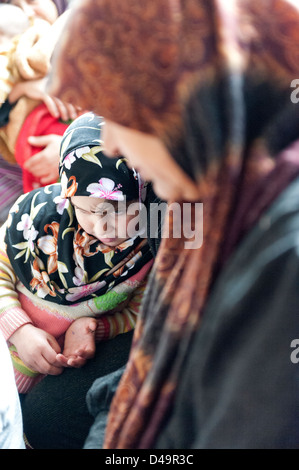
(81, 143)
(50, 253)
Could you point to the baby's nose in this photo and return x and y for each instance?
(103, 228)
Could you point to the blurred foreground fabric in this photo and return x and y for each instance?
(10, 186)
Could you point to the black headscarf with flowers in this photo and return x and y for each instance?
(50, 253)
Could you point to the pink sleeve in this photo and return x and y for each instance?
(12, 316)
(12, 319)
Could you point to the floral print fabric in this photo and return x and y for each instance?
(51, 254)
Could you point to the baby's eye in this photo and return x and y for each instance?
(120, 211)
(106, 210)
(83, 211)
(102, 213)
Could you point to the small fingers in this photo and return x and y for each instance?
(61, 359)
(44, 367)
(52, 106)
(71, 361)
(86, 352)
(66, 110)
(76, 362)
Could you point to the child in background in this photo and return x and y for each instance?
(18, 33)
(13, 22)
(18, 36)
(31, 122)
(64, 262)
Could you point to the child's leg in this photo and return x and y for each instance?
(25, 378)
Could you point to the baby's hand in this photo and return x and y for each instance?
(79, 343)
(37, 349)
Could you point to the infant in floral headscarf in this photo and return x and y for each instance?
(73, 261)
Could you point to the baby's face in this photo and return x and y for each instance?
(13, 22)
(44, 9)
(111, 222)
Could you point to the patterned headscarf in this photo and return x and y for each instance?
(81, 143)
(212, 79)
(50, 253)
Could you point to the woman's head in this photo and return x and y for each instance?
(139, 65)
(100, 188)
(48, 10)
(184, 72)
(150, 157)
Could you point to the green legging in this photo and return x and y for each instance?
(55, 413)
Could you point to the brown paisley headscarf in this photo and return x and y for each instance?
(212, 79)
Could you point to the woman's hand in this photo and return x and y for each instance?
(37, 349)
(36, 90)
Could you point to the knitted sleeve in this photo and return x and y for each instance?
(109, 326)
(12, 316)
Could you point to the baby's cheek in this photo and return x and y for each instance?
(85, 223)
(102, 228)
(131, 224)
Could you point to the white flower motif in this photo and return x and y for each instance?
(69, 159)
(61, 204)
(79, 276)
(63, 183)
(106, 189)
(29, 232)
(25, 223)
(81, 151)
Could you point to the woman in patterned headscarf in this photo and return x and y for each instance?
(67, 255)
(197, 95)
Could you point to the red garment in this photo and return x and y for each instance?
(38, 122)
